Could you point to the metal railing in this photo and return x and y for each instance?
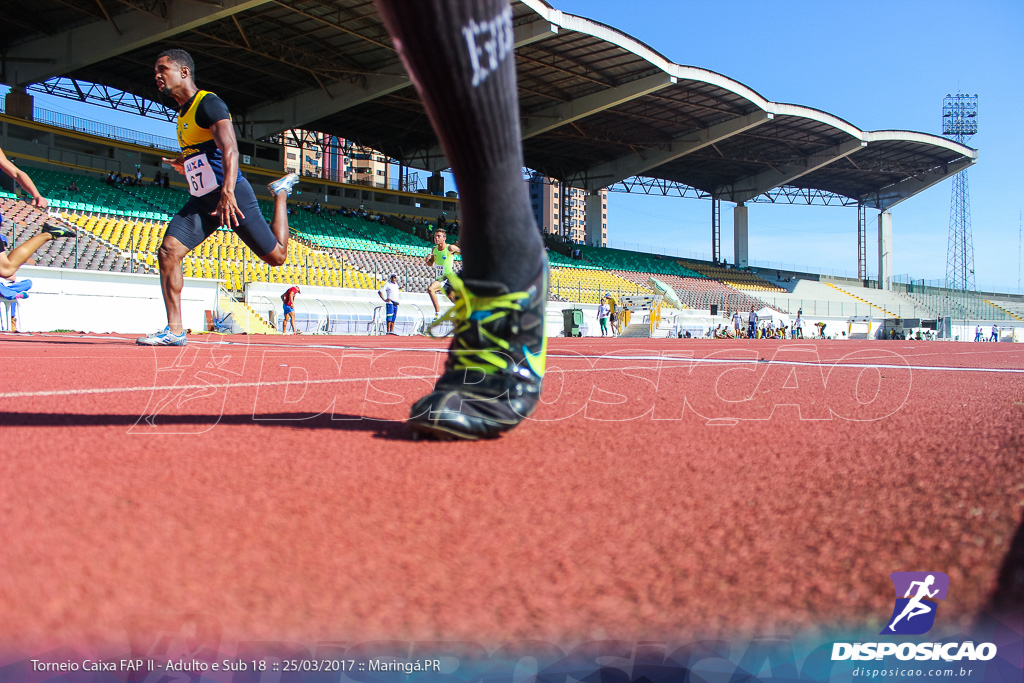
(99, 129)
(945, 302)
(641, 248)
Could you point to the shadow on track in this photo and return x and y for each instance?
(382, 429)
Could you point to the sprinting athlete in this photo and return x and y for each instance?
(10, 262)
(915, 607)
(220, 195)
(442, 258)
(460, 55)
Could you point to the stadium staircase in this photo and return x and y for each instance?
(865, 301)
(249, 320)
(637, 330)
(1006, 311)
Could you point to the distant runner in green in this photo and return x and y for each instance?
(442, 258)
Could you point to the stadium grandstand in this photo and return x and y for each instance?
(349, 236)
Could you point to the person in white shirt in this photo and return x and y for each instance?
(389, 294)
(995, 333)
(737, 322)
(603, 311)
(798, 327)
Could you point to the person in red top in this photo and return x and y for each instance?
(289, 309)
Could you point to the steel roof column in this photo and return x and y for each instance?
(885, 250)
(739, 235)
(862, 242)
(716, 229)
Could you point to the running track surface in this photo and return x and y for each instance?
(256, 500)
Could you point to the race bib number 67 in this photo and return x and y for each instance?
(199, 175)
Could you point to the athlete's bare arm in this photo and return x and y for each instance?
(38, 200)
(430, 258)
(454, 249)
(178, 164)
(227, 208)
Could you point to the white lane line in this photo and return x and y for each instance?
(350, 380)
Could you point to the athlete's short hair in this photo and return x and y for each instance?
(181, 58)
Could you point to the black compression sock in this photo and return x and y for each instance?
(460, 55)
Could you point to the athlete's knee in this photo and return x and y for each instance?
(170, 254)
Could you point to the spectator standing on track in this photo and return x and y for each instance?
(613, 316)
(9, 263)
(798, 327)
(995, 333)
(603, 311)
(752, 324)
(288, 298)
(977, 333)
(389, 293)
(737, 323)
(220, 195)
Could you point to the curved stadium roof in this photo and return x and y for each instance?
(598, 106)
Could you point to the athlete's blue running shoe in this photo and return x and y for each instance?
(162, 338)
(284, 184)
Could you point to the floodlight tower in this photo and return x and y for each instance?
(960, 122)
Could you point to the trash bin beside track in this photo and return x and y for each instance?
(572, 319)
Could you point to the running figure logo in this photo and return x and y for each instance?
(916, 594)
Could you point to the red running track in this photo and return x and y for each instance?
(653, 496)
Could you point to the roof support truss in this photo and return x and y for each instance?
(890, 196)
(565, 113)
(542, 121)
(78, 47)
(276, 117)
(608, 173)
(747, 188)
(331, 98)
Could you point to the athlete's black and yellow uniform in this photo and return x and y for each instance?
(196, 139)
(204, 173)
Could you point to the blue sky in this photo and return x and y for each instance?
(879, 65)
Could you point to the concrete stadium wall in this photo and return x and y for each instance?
(361, 311)
(98, 301)
(126, 303)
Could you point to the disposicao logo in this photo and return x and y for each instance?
(916, 594)
(913, 614)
